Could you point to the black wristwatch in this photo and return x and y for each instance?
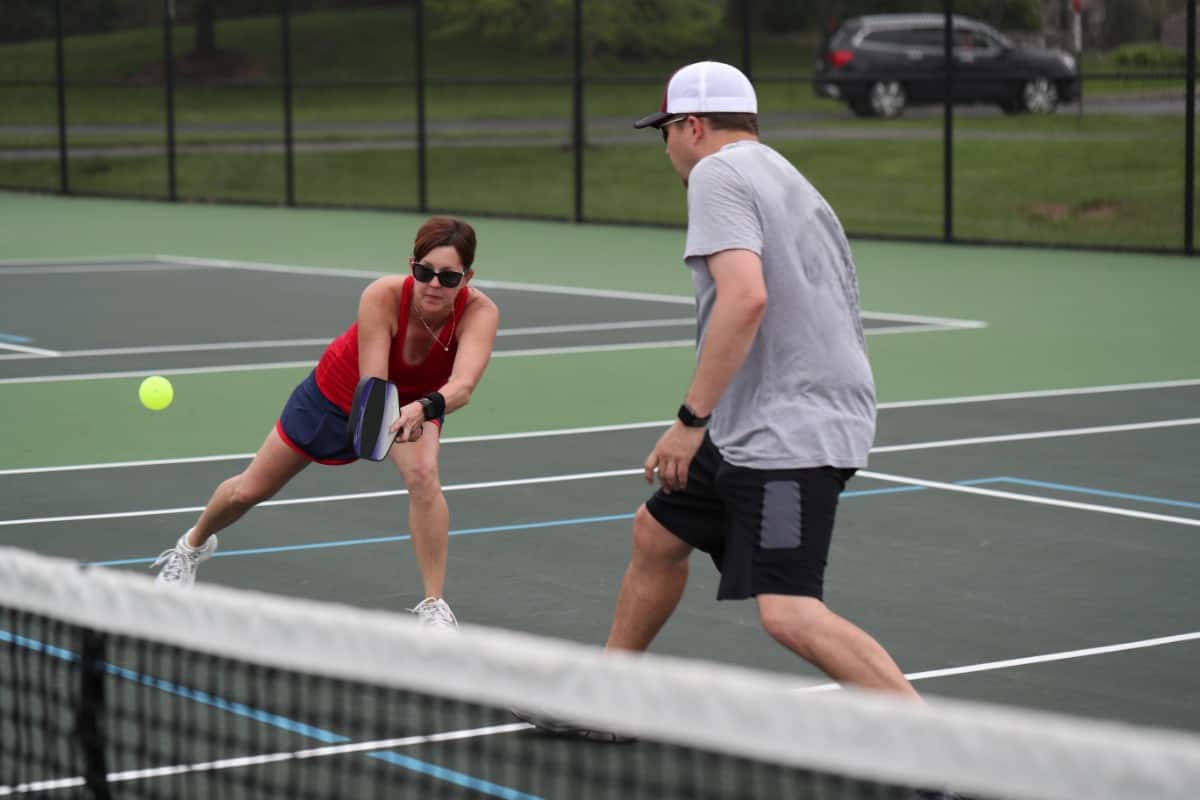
(689, 418)
(426, 407)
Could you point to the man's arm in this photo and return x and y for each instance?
(732, 325)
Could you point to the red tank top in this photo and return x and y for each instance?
(337, 371)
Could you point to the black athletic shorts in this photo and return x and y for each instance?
(767, 530)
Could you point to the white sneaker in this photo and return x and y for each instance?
(179, 564)
(433, 612)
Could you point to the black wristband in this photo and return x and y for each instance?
(434, 405)
(690, 419)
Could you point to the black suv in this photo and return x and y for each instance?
(881, 63)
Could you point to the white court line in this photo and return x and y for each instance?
(599, 326)
(83, 269)
(174, 348)
(74, 261)
(635, 471)
(333, 498)
(540, 330)
(1022, 437)
(25, 351)
(583, 476)
(494, 437)
(487, 437)
(291, 269)
(1027, 498)
(1064, 655)
(265, 758)
(1038, 393)
(522, 353)
(949, 322)
(485, 283)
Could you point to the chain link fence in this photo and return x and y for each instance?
(1072, 122)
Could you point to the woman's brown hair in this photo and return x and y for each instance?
(446, 232)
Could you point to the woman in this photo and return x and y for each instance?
(431, 335)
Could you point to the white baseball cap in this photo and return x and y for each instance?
(704, 87)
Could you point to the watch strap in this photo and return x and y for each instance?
(690, 419)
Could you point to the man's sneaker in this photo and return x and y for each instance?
(179, 564)
(433, 612)
(558, 727)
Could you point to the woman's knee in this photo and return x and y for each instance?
(421, 478)
(246, 492)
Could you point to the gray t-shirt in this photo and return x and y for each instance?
(804, 397)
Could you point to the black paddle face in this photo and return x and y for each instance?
(373, 410)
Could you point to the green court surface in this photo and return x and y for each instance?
(1025, 534)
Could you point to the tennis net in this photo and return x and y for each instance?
(113, 687)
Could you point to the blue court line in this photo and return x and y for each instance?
(12, 338)
(891, 490)
(275, 720)
(255, 551)
(1065, 487)
(553, 523)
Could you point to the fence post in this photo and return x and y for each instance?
(948, 127)
(747, 48)
(419, 49)
(577, 121)
(285, 49)
(1189, 176)
(64, 183)
(169, 82)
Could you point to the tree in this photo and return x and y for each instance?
(627, 28)
(204, 42)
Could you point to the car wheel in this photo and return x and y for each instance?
(887, 98)
(1039, 96)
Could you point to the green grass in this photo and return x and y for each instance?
(372, 44)
(1038, 190)
(1096, 180)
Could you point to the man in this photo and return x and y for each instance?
(781, 409)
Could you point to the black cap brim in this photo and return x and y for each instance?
(653, 120)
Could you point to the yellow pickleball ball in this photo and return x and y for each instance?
(156, 393)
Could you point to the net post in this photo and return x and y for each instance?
(88, 730)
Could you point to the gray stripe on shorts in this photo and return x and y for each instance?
(780, 529)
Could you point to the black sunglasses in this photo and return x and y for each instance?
(663, 127)
(447, 277)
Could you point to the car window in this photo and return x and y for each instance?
(841, 38)
(928, 37)
(892, 36)
(971, 39)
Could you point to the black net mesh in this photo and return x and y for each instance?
(90, 714)
(111, 686)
